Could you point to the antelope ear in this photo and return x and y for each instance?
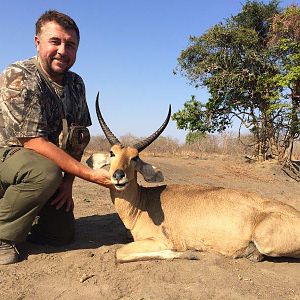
(149, 172)
(98, 160)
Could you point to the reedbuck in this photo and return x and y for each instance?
(172, 221)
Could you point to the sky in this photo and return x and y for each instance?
(128, 51)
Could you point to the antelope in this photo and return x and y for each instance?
(176, 221)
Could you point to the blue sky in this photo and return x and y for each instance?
(128, 51)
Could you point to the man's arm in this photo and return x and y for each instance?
(67, 163)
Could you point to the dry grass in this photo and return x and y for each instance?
(224, 144)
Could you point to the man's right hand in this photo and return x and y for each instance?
(102, 177)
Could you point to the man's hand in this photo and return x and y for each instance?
(64, 195)
(102, 177)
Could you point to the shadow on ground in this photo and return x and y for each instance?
(282, 260)
(91, 232)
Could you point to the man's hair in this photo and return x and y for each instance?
(63, 20)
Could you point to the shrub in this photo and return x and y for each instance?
(199, 144)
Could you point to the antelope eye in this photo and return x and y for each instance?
(135, 158)
(111, 154)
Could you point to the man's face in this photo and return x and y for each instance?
(56, 49)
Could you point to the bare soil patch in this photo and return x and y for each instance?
(86, 269)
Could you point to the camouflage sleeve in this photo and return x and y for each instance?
(20, 104)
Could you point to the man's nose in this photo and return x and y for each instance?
(61, 49)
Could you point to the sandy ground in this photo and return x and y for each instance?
(86, 269)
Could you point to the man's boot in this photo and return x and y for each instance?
(8, 253)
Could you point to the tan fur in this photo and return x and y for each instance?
(169, 222)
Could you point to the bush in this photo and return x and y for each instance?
(224, 144)
(164, 145)
(98, 144)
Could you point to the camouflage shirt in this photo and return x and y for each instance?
(28, 108)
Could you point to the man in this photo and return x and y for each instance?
(39, 99)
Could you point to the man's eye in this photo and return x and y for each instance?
(111, 154)
(54, 42)
(70, 46)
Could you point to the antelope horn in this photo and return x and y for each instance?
(146, 142)
(109, 135)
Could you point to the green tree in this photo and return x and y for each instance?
(233, 62)
(194, 136)
(284, 45)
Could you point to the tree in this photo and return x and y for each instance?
(194, 137)
(233, 61)
(285, 48)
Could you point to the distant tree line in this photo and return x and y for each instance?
(250, 65)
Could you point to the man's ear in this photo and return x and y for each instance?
(37, 42)
(98, 160)
(149, 172)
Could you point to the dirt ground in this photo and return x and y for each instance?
(86, 269)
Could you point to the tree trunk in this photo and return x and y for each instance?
(289, 165)
(294, 127)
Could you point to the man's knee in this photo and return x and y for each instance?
(48, 173)
(41, 171)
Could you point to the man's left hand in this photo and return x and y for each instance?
(64, 196)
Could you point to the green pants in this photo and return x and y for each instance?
(28, 182)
